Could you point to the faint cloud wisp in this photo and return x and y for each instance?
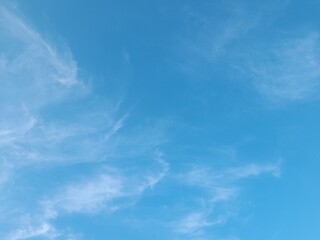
(289, 70)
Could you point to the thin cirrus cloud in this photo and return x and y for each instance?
(219, 193)
(33, 75)
(37, 79)
(212, 40)
(112, 165)
(39, 83)
(193, 224)
(288, 71)
(282, 70)
(103, 192)
(32, 47)
(44, 230)
(109, 191)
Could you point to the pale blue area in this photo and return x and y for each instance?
(199, 95)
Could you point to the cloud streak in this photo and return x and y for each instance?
(44, 230)
(109, 191)
(210, 41)
(33, 75)
(49, 118)
(51, 122)
(288, 70)
(219, 192)
(58, 67)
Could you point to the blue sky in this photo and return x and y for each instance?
(159, 120)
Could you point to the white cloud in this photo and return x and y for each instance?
(219, 192)
(5, 172)
(90, 195)
(212, 38)
(48, 118)
(252, 170)
(38, 77)
(288, 70)
(55, 66)
(44, 230)
(209, 178)
(153, 179)
(110, 191)
(193, 223)
(33, 74)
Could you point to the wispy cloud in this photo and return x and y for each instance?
(194, 223)
(49, 118)
(288, 70)
(33, 74)
(109, 191)
(90, 195)
(219, 192)
(43, 230)
(211, 39)
(56, 66)
(49, 121)
(39, 84)
(252, 170)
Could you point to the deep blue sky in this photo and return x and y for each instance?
(159, 120)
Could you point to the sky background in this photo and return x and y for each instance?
(160, 120)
